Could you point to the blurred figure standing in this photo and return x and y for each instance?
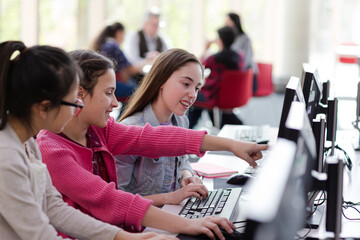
(225, 59)
(242, 43)
(146, 44)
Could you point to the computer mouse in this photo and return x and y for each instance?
(239, 178)
(235, 235)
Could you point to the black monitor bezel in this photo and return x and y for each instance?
(293, 92)
(310, 81)
(298, 180)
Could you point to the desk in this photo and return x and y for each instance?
(228, 159)
(225, 160)
(351, 190)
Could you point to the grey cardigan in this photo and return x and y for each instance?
(30, 206)
(147, 176)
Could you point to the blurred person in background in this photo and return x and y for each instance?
(146, 44)
(242, 43)
(108, 43)
(225, 59)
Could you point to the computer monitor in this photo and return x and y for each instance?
(301, 132)
(325, 92)
(312, 90)
(293, 92)
(331, 123)
(316, 95)
(357, 117)
(277, 211)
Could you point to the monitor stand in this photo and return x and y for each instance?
(356, 145)
(314, 220)
(357, 118)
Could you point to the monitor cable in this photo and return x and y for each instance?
(318, 202)
(349, 204)
(298, 237)
(347, 160)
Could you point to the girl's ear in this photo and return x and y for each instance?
(162, 86)
(42, 108)
(81, 93)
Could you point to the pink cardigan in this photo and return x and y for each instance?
(70, 167)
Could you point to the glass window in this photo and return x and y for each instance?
(58, 23)
(176, 18)
(9, 20)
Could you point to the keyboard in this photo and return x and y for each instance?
(258, 134)
(251, 170)
(220, 202)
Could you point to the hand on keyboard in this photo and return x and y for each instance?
(187, 180)
(197, 190)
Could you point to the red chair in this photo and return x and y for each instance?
(123, 100)
(235, 91)
(264, 80)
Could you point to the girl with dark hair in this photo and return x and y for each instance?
(82, 166)
(242, 43)
(108, 43)
(163, 97)
(38, 90)
(225, 59)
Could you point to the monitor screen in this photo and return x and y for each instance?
(319, 126)
(298, 124)
(331, 122)
(293, 92)
(312, 89)
(278, 210)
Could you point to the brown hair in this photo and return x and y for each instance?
(165, 65)
(108, 31)
(93, 65)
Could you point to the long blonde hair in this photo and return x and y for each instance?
(165, 65)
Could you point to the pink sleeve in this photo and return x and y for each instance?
(89, 191)
(153, 142)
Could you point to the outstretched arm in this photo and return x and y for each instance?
(248, 151)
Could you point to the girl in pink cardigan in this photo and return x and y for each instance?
(47, 81)
(81, 164)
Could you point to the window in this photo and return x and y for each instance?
(58, 23)
(9, 20)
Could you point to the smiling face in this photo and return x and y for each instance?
(179, 92)
(99, 105)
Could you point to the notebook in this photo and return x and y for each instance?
(210, 170)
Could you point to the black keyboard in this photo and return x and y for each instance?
(220, 202)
